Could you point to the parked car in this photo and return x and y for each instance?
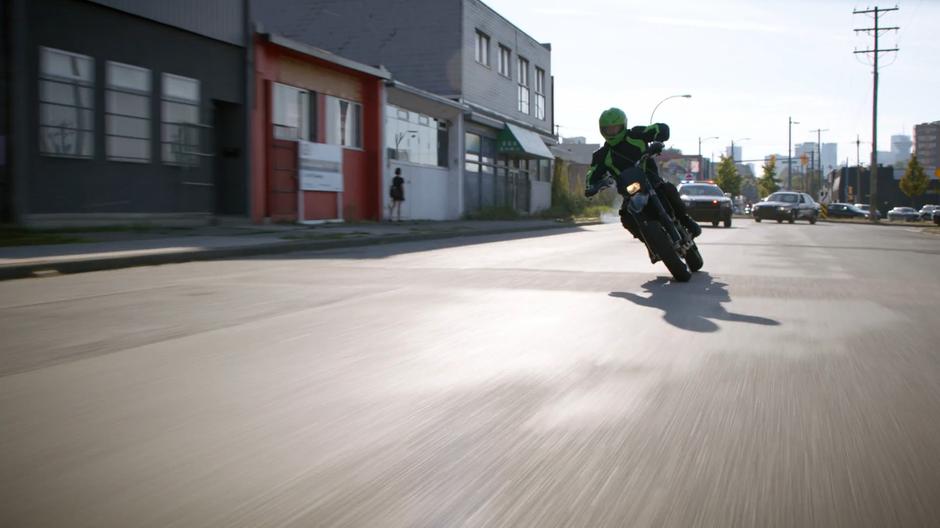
(705, 202)
(936, 217)
(867, 209)
(908, 214)
(844, 210)
(787, 205)
(926, 212)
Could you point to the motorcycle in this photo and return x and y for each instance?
(665, 237)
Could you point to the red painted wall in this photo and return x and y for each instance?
(362, 169)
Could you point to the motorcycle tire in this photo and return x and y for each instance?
(694, 258)
(662, 245)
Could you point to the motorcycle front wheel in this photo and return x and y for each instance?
(694, 258)
(661, 244)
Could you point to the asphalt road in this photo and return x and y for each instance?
(549, 379)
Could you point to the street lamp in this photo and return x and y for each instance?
(663, 101)
(790, 152)
(732, 147)
(700, 140)
(701, 161)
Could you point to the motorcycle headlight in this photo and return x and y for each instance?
(633, 188)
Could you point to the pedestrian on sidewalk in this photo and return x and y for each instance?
(397, 193)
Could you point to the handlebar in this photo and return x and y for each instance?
(655, 149)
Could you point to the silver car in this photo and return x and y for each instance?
(908, 214)
(926, 212)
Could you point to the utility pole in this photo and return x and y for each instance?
(858, 167)
(818, 157)
(811, 179)
(875, 31)
(790, 152)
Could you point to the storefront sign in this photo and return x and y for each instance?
(320, 167)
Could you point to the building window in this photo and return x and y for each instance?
(291, 108)
(416, 138)
(127, 113)
(523, 77)
(540, 93)
(504, 61)
(472, 154)
(343, 122)
(180, 120)
(483, 49)
(545, 170)
(66, 109)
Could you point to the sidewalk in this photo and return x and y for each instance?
(112, 249)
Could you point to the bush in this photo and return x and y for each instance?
(494, 213)
(569, 204)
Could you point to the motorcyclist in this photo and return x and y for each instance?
(621, 150)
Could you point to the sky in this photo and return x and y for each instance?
(749, 65)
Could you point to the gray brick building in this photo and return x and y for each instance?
(461, 50)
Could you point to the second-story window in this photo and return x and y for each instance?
(523, 77)
(539, 93)
(504, 61)
(483, 49)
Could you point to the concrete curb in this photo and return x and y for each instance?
(83, 265)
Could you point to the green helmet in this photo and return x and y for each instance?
(613, 125)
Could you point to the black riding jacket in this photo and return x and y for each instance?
(615, 159)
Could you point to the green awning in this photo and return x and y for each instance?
(521, 143)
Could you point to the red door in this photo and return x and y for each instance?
(282, 181)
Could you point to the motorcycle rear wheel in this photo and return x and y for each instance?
(662, 245)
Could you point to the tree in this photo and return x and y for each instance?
(915, 181)
(728, 178)
(749, 189)
(767, 185)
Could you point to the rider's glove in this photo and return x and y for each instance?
(590, 190)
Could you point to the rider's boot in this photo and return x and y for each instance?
(690, 225)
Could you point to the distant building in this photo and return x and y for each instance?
(736, 155)
(830, 157)
(826, 160)
(578, 140)
(927, 146)
(745, 170)
(901, 148)
(847, 186)
(575, 158)
(461, 50)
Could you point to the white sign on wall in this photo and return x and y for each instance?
(320, 166)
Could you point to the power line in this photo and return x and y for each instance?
(875, 51)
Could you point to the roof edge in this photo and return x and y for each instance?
(312, 51)
(392, 83)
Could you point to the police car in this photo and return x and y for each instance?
(705, 202)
